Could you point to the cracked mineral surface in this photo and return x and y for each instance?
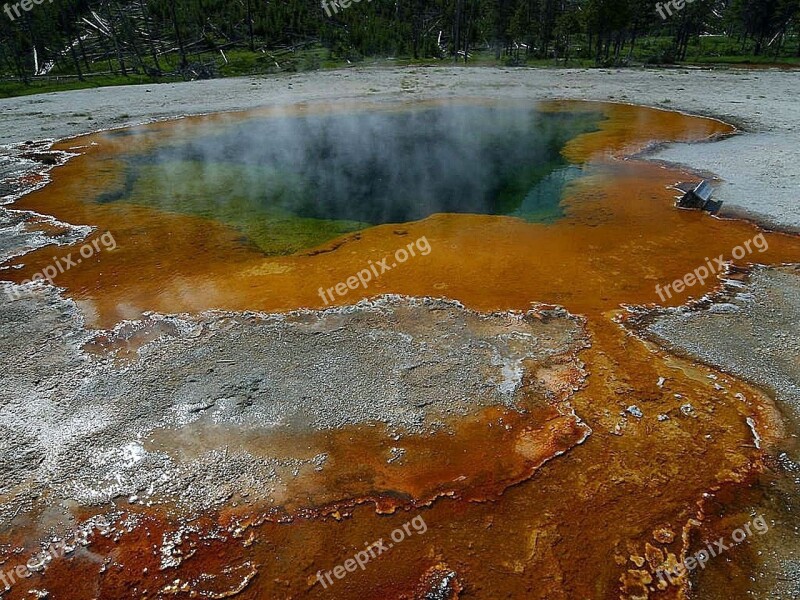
(215, 387)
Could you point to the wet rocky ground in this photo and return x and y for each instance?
(750, 328)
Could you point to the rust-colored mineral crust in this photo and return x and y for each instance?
(240, 454)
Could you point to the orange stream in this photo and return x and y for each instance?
(574, 527)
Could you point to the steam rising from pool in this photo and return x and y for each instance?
(290, 183)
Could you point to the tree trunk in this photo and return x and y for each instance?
(75, 61)
(115, 41)
(468, 29)
(83, 53)
(131, 30)
(250, 26)
(182, 50)
(457, 29)
(633, 45)
(148, 21)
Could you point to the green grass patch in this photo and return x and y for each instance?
(10, 89)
